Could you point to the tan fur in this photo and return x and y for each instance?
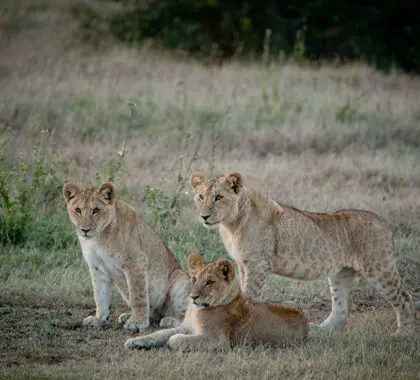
(121, 249)
(219, 317)
(263, 237)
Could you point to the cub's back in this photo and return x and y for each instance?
(345, 231)
(273, 323)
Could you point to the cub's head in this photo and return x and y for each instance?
(213, 284)
(217, 198)
(91, 210)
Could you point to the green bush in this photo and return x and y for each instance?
(29, 190)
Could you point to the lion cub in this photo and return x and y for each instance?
(219, 317)
(121, 249)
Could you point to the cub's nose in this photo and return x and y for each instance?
(194, 297)
(205, 217)
(85, 231)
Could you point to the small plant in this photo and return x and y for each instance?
(159, 204)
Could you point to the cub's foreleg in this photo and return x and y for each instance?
(213, 342)
(156, 339)
(102, 295)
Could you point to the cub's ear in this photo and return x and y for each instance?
(70, 190)
(107, 190)
(194, 262)
(235, 181)
(197, 179)
(227, 269)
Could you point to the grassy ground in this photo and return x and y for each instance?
(318, 138)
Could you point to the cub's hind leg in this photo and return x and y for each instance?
(341, 299)
(384, 277)
(177, 301)
(138, 293)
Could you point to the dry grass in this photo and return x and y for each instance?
(317, 138)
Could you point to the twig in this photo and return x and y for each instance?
(133, 106)
(123, 152)
(180, 185)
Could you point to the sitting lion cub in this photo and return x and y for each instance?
(219, 317)
(122, 249)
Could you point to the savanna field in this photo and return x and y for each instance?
(318, 137)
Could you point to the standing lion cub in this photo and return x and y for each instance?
(219, 317)
(263, 237)
(121, 249)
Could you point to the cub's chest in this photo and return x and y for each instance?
(192, 322)
(233, 243)
(100, 257)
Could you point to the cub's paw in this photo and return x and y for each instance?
(169, 322)
(135, 324)
(179, 342)
(138, 343)
(93, 321)
(124, 317)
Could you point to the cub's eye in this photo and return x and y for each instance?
(78, 211)
(95, 211)
(193, 280)
(218, 197)
(209, 283)
(201, 196)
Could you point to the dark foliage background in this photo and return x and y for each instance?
(384, 34)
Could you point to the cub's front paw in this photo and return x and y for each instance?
(92, 321)
(129, 344)
(169, 322)
(136, 324)
(138, 343)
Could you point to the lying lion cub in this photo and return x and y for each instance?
(122, 249)
(219, 317)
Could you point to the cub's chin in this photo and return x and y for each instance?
(210, 225)
(200, 307)
(86, 237)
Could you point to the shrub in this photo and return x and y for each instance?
(29, 189)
